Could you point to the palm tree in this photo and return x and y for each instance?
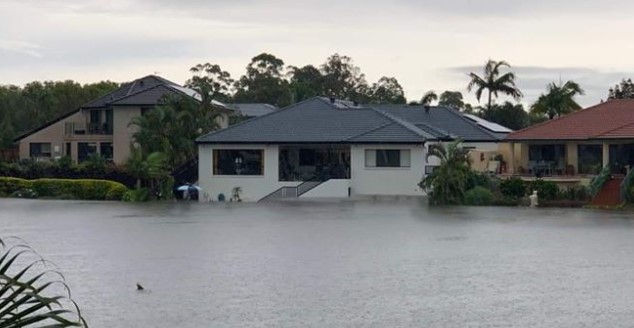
(493, 82)
(559, 100)
(32, 295)
(428, 98)
(447, 183)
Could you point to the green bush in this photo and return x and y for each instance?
(66, 188)
(546, 190)
(136, 195)
(116, 192)
(577, 193)
(479, 196)
(513, 188)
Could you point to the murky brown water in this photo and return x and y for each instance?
(335, 264)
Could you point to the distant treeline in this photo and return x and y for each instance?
(27, 107)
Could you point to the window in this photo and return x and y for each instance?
(238, 162)
(105, 149)
(307, 157)
(429, 169)
(85, 149)
(40, 149)
(387, 158)
(68, 149)
(590, 159)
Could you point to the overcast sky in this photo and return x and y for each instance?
(425, 44)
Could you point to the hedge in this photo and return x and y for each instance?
(479, 196)
(65, 188)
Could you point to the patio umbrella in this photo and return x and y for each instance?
(188, 187)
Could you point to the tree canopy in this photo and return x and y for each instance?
(623, 90)
(558, 101)
(264, 82)
(494, 82)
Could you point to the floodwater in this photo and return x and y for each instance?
(335, 264)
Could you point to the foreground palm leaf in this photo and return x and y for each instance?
(32, 295)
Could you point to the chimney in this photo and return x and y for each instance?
(332, 100)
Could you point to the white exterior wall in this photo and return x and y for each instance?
(482, 146)
(253, 187)
(387, 180)
(335, 188)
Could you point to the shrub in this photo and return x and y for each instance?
(505, 201)
(479, 196)
(10, 185)
(476, 179)
(136, 195)
(546, 190)
(116, 192)
(577, 193)
(514, 188)
(66, 188)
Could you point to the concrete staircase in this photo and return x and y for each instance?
(610, 194)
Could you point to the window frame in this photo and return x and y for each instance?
(216, 162)
(40, 153)
(385, 165)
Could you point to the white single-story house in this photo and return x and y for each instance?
(323, 147)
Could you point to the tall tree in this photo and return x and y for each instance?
(428, 98)
(305, 82)
(494, 82)
(264, 82)
(387, 91)
(211, 82)
(344, 80)
(452, 99)
(623, 90)
(559, 100)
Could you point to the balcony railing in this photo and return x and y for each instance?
(80, 128)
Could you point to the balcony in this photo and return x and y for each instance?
(80, 128)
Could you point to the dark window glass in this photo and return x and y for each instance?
(68, 149)
(85, 149)
(238, 162)
(105, 149)
(307, 157)
(590, 158)
(388, 158)
(40, 149)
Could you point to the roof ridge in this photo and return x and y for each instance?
(371, 130)
(403, 123)
(436, 129)
(461, 116)
(256, 118)
(130, 88)
(136, 93)
(612, 130)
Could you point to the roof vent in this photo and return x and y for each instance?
(356, 104)
(141, 83)
(332, 100)
(426, 108)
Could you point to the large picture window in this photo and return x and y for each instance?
(40, 149)
(387, 158)
(590, 159)
(85, 149)
(238, 162)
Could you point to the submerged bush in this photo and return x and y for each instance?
(64, 188)
(479, 196)
(513, 188)
(136, 195)
(546, 190)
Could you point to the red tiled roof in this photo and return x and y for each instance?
(612, 119)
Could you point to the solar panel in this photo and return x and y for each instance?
(494, 127)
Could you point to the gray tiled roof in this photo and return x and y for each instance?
(253, 110)
(151, 96)
(317, 120)
(442, 122)
(127, 89)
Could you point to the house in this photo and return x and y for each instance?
(323, 147)
(577, 145)
(102, 126)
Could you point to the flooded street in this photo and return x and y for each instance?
(334, 264)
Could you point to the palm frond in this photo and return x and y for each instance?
(28, 293)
